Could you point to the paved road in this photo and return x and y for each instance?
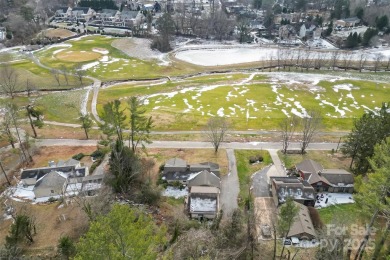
(230, 186)
(190, 144)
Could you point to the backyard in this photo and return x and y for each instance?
(245, 169)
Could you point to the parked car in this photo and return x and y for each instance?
(287, 242)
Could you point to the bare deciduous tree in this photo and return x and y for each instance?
(56, 75)
(335, 58)
(95, 205)
(320, 60)
(311, 124)
(80, 73)
(377, 61)
(308, 60)
(362, 61)
(347, 58)
(9, 80)
(216, 130)
(6, 130)
(287, 129)
(30, 87)
(64, 71)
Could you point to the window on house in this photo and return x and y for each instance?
(52, 191)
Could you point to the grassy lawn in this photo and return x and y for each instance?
(328, 213)
(245, 169)
(110, 62)
(62, 106)
(325, 158)
(259, 104)
(41, 78)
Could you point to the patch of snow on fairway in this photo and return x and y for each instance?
(285, 112)
(250, 102)
(369, 109)
(101, 51)
(58, 51)
(233, 110)
(241, 108)
(318, 96)
(61, 45)
(89, 65)
(111, 61)
(336, 108)
(220, 112)
(348, 87)
(297, 113)
(79, 38)
(229, 95)
(190, 107)
(104, 58)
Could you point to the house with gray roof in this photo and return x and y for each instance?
(300, 190)
(71, 168)
(204, 178)
(176, 169)
(331, 180)
(131, 18)
(50, 185)
(63, 12)
(203, 199)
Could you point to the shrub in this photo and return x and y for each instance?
(95, 164)
(160, 181)
(51, 199)
(66, 247)
(98, 154)
(255, 159)
(78, 156)
(177, 184)
(161, 168)
(149, 194)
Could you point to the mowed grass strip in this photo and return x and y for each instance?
(245, 169)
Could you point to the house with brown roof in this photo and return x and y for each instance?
(302, 227)
(300, 190)
(203, 198)
(330, 180)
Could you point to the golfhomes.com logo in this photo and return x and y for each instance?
(347, 236)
